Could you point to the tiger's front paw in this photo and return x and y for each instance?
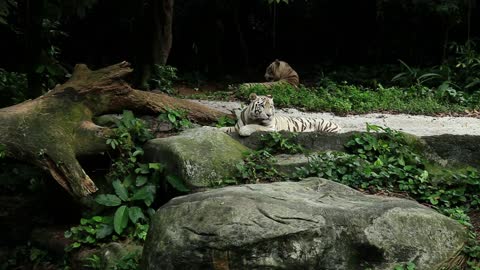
(245, 131)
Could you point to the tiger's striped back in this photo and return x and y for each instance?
(303, 124)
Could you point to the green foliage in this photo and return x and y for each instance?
(134, 187)
(472, 248)
(458, 214)
(93, 262)
(343, 98)
(466, 67)
(20, 178)
(257, 167)
(216, 95)
(407, 266)
(28, 257)
(5, 9)
(178, 119)
(414, 76)
(130, 261)
(388, 161)
(225, 121)
(275, 142)
(90, 231)
(13, 87)
(163, 78)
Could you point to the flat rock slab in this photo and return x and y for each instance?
(445, 149)
(313, 224)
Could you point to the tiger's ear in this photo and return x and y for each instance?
(277, 61)
(253, 96)
(269, 96)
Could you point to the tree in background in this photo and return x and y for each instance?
(37, 24)
(155, 19)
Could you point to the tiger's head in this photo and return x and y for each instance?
(280, 70)
(261, 108)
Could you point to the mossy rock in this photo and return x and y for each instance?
(199, 156)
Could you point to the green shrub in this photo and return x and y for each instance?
(163, 77)
(13, 88)
(134, 186)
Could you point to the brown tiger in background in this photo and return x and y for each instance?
(277, 72)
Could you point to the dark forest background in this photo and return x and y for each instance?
(235, 37)
(353, 57)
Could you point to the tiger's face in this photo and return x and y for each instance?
(261, 109)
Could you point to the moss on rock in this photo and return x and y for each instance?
(198, 156)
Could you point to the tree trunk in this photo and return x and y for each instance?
(161, 42)
(52, 130)
(162, 35)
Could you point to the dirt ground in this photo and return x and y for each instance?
(419, 125)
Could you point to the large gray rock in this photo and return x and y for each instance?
(313, 224)
(198, 156)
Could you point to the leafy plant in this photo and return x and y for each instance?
(414, 76)
(130, 261)
(163, 78)
(28, 256)
(89, 231)
(178, 119)
(466, 66)
(93, 262)
(225, 121)
(447, 91)
(388, 161)
(134, 187)
(257, 167)
(407, 266)
(275, 142)
(13, 87)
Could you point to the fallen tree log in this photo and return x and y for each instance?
(53, 129)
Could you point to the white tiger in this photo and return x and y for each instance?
(259, 115)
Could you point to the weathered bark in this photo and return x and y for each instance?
(52, 130)
(161, 37)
